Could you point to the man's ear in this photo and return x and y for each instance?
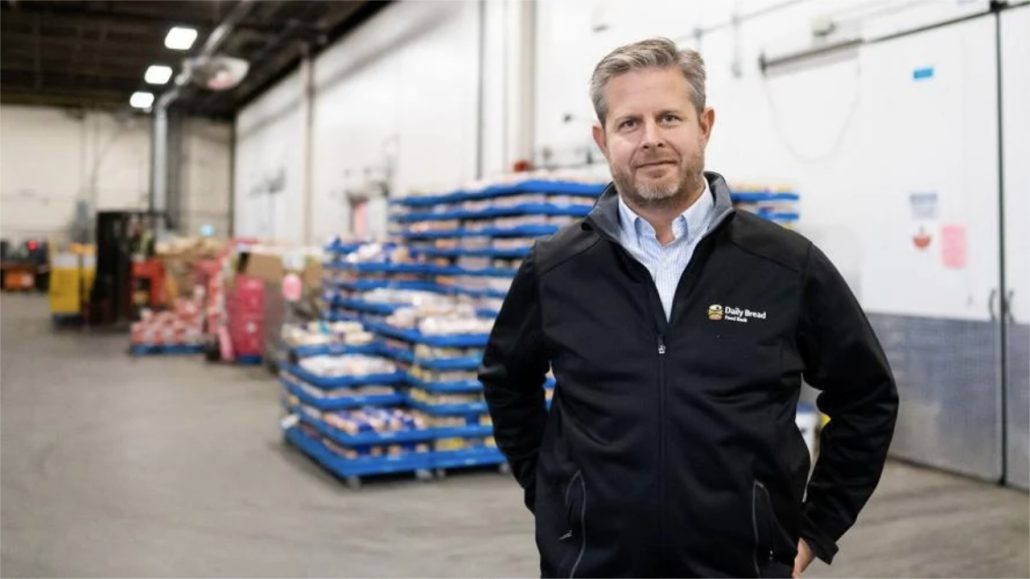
(707, 120)
(601, 139)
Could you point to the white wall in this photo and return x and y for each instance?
(268, 169)
(51, 158)
(206, 177)
(396, 101)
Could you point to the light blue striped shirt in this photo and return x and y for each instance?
(666, 263)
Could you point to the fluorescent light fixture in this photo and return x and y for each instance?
(180, 38)
(141, 100)
(158, 74)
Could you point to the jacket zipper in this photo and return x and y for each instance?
(661, 439)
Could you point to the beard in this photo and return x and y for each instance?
(670, 191)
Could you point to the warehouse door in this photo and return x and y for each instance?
(929, 214)
(1015, 82)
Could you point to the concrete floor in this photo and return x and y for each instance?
(113, 466)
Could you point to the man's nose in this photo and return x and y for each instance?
(652, 136)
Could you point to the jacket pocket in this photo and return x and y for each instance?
(772, 555)
(575, 538)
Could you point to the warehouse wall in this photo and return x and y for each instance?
(396, 103)
(395, 106)
(206, 178)
(269, 164)
(55, 157)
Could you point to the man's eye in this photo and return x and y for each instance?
(627, 124)
(670, 118)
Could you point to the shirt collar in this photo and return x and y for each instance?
(693, 222)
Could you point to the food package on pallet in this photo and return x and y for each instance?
(441, 399)
(180, 325)
(324, 333)
(426, 375)
(372, 419)
(347, 365)
(393, 450)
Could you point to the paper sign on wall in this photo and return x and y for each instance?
(924, 215)
(924, 205)
(953, 246)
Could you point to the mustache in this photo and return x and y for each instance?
(655, 161)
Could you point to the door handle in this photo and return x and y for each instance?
(1007, 305)
(990, 304)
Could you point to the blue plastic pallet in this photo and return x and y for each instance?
(378, 308)
(759, 196)
(448, 409)
(334, 350)
(520, 231)
(368, 466)
(363, 285)
(357, 467)
(376, 267)
(467, 458)
(249, 360)
(529, 186)
(333, 316)
(169, 350)
(348, 403)
(455, 387)
(513, 253)
(340, 248)
(546, 209)
(476, 293)
(484, 272)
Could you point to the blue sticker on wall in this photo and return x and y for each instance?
(925, 73)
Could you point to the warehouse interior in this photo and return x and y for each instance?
(252, 251)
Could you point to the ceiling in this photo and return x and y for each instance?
(94, 53)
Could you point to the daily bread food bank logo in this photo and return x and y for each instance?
(717, 312)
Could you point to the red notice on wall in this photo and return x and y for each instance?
(953, 246)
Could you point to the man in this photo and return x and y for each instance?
(679, 331)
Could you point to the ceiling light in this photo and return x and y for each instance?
(142, 100)
(180, 38)
(158, 74)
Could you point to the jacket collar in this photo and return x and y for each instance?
(605, 214)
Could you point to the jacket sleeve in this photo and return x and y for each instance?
(844, 360)
(513, 372)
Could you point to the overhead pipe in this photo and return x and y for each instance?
(159, 134)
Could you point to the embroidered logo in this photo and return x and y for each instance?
(717, 313)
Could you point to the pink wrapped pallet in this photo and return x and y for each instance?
(245, 309)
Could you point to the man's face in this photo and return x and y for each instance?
(653, 138)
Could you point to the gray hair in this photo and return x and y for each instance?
(651, 53)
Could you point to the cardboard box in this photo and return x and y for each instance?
(312, 275)
(264, 266)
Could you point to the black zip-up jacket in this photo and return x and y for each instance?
(670, 448)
